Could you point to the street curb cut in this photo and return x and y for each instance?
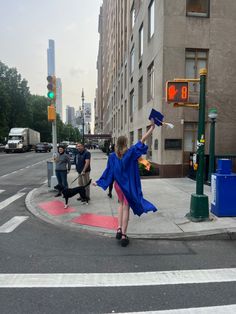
(217, 234)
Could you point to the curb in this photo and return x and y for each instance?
(217, 234)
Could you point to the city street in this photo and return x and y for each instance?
(39, 249)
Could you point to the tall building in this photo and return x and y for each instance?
(51, 57)
(70, 115)
(59, 98)
(142, 45)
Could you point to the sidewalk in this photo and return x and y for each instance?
(171, 196)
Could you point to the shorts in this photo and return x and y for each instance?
(120, 194)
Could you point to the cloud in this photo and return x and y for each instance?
(71, 27)
(76, 72)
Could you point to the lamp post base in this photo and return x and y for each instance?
(199, 208)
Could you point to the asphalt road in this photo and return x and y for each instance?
(35, 247)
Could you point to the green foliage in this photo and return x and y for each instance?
(144, 172)
(18, 108)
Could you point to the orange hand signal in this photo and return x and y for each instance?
(172, 91)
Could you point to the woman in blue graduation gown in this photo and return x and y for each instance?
(122, 167)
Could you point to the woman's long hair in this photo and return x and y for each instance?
(121, 146)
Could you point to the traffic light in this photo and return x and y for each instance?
(52, 88)
(51, 113)
(177, 91)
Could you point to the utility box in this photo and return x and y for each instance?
(223, 188)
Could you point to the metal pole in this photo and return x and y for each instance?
(211, 150)
(199, 207)
(201, 134)
(83, 114)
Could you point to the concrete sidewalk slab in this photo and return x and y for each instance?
(171, 196)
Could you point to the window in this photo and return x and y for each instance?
(131, 138)
(140, 134)
(195, 59)
(149, 144)
(151, 19)
(132, 16)
(150, 82)
(141, 41)
(197, 8)
(132, 60)
(140, 93)
(131, 99)
(121, 117)
(121, 86)
(125, 117)
(125, 76)
(173, 144)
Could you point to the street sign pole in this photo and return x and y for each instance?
(199, 206)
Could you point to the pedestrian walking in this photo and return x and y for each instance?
(82, 164)
(122, 167)
(111, 150)
(63, 166)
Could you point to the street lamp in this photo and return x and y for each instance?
(82, 97)
(212, 115)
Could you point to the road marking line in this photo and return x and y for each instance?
(29, 166)
(2, 191)
(61, 280)
(9, 200)
(221, 309)
(12, 224)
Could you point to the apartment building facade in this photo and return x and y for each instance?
(143, 44)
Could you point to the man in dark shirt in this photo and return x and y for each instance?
(82, 164)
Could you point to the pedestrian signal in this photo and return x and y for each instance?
(52, 87)
(177, 91)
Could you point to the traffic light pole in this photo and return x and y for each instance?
(199, 206)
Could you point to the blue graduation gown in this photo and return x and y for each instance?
(125, 172)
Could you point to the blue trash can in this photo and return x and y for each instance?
(223, 188)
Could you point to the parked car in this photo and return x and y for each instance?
(71, 150)
(42, 147)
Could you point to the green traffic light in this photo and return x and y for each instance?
(51, 95)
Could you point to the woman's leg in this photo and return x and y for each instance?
(125, 219)
(120, 215)
(58, 175)
(64, 179)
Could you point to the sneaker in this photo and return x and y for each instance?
(110, 195)
(84, 202)
(79, 199)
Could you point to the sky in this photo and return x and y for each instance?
(26, 26)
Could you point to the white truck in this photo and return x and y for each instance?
(22, 140)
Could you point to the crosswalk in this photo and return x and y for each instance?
(138, 279)
(10, 225)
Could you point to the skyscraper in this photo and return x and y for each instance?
(51, 57)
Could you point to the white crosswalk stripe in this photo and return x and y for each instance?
(10, 200)
(2, 191)
(12, 224)
(229, 309)
(66, 280)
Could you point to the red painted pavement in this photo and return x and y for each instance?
(56, 208)
(106, 222)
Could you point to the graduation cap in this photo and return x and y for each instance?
(158, 119)
(156, 116)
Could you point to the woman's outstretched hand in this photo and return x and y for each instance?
(94, 183)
